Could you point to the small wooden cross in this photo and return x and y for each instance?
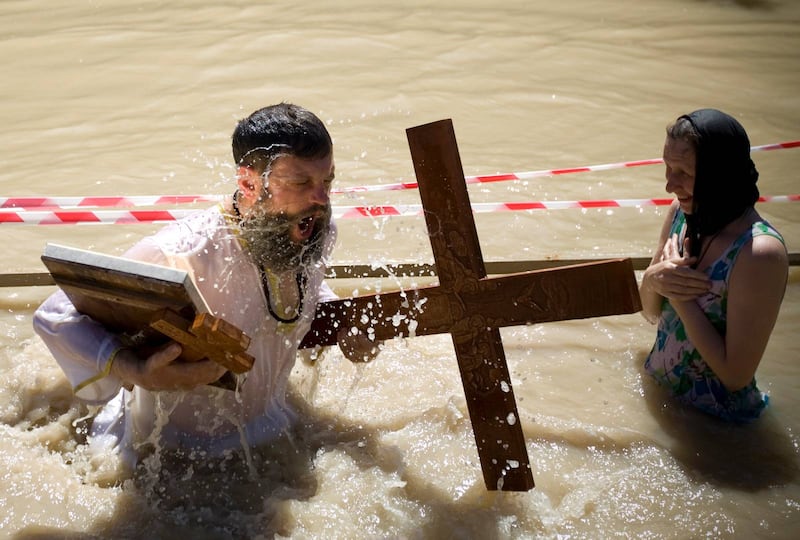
(206, 337)
(472, 307)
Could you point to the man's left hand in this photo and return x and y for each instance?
(357, 346)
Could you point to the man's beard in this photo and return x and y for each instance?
(270, 245)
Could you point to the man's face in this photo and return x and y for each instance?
(287, 227)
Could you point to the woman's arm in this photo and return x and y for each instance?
(670, 274)
(651, 300)
(755, 292)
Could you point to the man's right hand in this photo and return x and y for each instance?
(163, 370)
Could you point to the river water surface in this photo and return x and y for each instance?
(119, 98)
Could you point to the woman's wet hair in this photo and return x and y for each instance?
(276, 130)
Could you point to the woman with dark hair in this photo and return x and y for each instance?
(717, 279)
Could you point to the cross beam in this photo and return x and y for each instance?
(472, 307)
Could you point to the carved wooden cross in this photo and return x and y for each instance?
(472, 307)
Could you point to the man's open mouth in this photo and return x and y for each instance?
(306, 226)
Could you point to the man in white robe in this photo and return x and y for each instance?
(258, 260)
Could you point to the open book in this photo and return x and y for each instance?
(146, 304)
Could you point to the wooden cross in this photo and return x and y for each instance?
(206, 337)
(472, 307)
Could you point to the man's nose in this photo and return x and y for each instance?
(320, 193)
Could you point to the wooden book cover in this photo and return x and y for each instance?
(122, 294)
(147, 304)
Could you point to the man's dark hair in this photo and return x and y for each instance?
(279, 129)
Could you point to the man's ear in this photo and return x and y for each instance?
(249, 183)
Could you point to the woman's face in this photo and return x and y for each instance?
(680, 160)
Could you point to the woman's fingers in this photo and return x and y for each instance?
(685, 282)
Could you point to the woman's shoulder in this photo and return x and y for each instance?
(763, 251)
(761, 227)
(769, 247)
(675, 219)
(765, 239)
(672, 221)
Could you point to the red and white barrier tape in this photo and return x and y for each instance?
(156, 200)
(552, 172)
(96, 217)
(124, 217)
(52, 203)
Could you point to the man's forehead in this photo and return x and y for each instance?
(289, 163)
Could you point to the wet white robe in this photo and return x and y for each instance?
(208, 418)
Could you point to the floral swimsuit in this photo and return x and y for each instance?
(676, 364)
